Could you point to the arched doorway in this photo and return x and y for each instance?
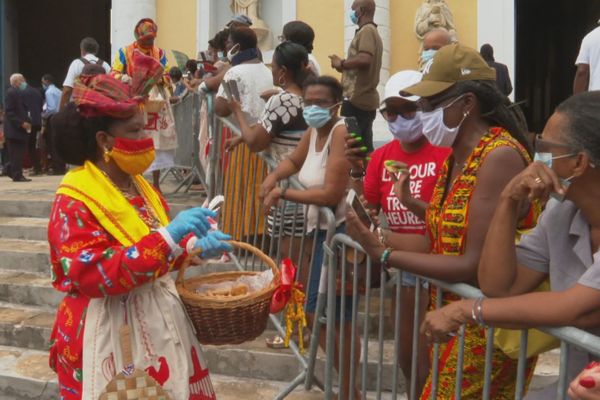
(548, 36)
(42, 36)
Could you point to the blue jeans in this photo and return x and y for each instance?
(316, 266)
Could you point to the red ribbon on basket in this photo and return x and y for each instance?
(289, 295)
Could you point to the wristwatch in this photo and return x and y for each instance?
(358, 175)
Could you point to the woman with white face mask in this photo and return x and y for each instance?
(421, 161)
(462, 109)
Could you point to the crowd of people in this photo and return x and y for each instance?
(472, 197)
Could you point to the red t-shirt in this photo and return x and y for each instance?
(424, 165)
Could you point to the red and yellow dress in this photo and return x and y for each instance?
(447, 222)
(113, 269)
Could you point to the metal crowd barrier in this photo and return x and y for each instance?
(373, 378)
(187, 169)
(238, 175)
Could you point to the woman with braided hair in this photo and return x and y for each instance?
(462, 109)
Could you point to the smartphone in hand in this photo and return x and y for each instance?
(359, 209)
(354, 130)
(233, 87)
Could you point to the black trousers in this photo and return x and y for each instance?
(16, 152)
(365, 121)
(34, 154)
(57, 165)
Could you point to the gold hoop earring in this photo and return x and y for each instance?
(106, 155)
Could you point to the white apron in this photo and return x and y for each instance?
(161, 125)
(163, 342)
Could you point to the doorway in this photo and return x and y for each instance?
(46, 35)
(548, 36)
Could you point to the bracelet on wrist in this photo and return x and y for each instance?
(283, 190)
(382, 236)
(476, 311)
(385, 257)
(357, 174)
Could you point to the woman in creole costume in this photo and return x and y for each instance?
(112, 248)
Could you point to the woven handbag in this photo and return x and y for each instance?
(131, 383)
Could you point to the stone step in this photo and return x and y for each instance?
(22, 288)
(26, 327)
(25, 375)
(24, 255)
(30, 328)
(24, 228)
(25, 207)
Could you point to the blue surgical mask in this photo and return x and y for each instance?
(546, 159)
(427, 55)
(316, 116)
(221, 56)
(354, 17)
(23, 86)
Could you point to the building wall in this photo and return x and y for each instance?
(405, 46)
(327, 19)
(176, 20)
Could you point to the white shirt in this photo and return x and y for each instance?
(77, 66)
(314, 64)
(252, 80)
(590, 54)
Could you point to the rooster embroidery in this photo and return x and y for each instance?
(162, 375)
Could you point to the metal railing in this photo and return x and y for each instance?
(338, 267)
(187, 169)
(283, 233)
(238, 176)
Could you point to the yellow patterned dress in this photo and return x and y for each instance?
(447, 228)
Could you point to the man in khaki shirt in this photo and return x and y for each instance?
(360, 71)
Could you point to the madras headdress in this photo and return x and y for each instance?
(145, 29)
(103, 95)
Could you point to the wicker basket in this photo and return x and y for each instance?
(235, 320)
(154, 106)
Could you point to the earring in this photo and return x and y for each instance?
(106, 155)
(281, 81)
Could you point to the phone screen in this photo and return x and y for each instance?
(362, 213)
(352, 125)
(233, 87)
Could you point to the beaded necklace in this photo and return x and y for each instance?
(151, 220)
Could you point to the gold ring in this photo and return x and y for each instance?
(538, 180)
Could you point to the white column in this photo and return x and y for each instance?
(205, 23)
(124, 15)
(496, 26)
(288, 11)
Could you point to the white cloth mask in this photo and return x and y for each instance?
(436, 130)
(407, 130)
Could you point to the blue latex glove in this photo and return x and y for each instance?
(213, 244)
(193, 220)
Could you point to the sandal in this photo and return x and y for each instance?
(276, 342)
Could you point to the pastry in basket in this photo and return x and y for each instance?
(113, 248)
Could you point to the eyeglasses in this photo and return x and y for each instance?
(542, 145)
(392, 115)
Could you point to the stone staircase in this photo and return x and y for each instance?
(28, 303)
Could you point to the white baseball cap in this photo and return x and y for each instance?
(400, 81)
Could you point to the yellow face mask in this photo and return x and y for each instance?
(133, 156)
